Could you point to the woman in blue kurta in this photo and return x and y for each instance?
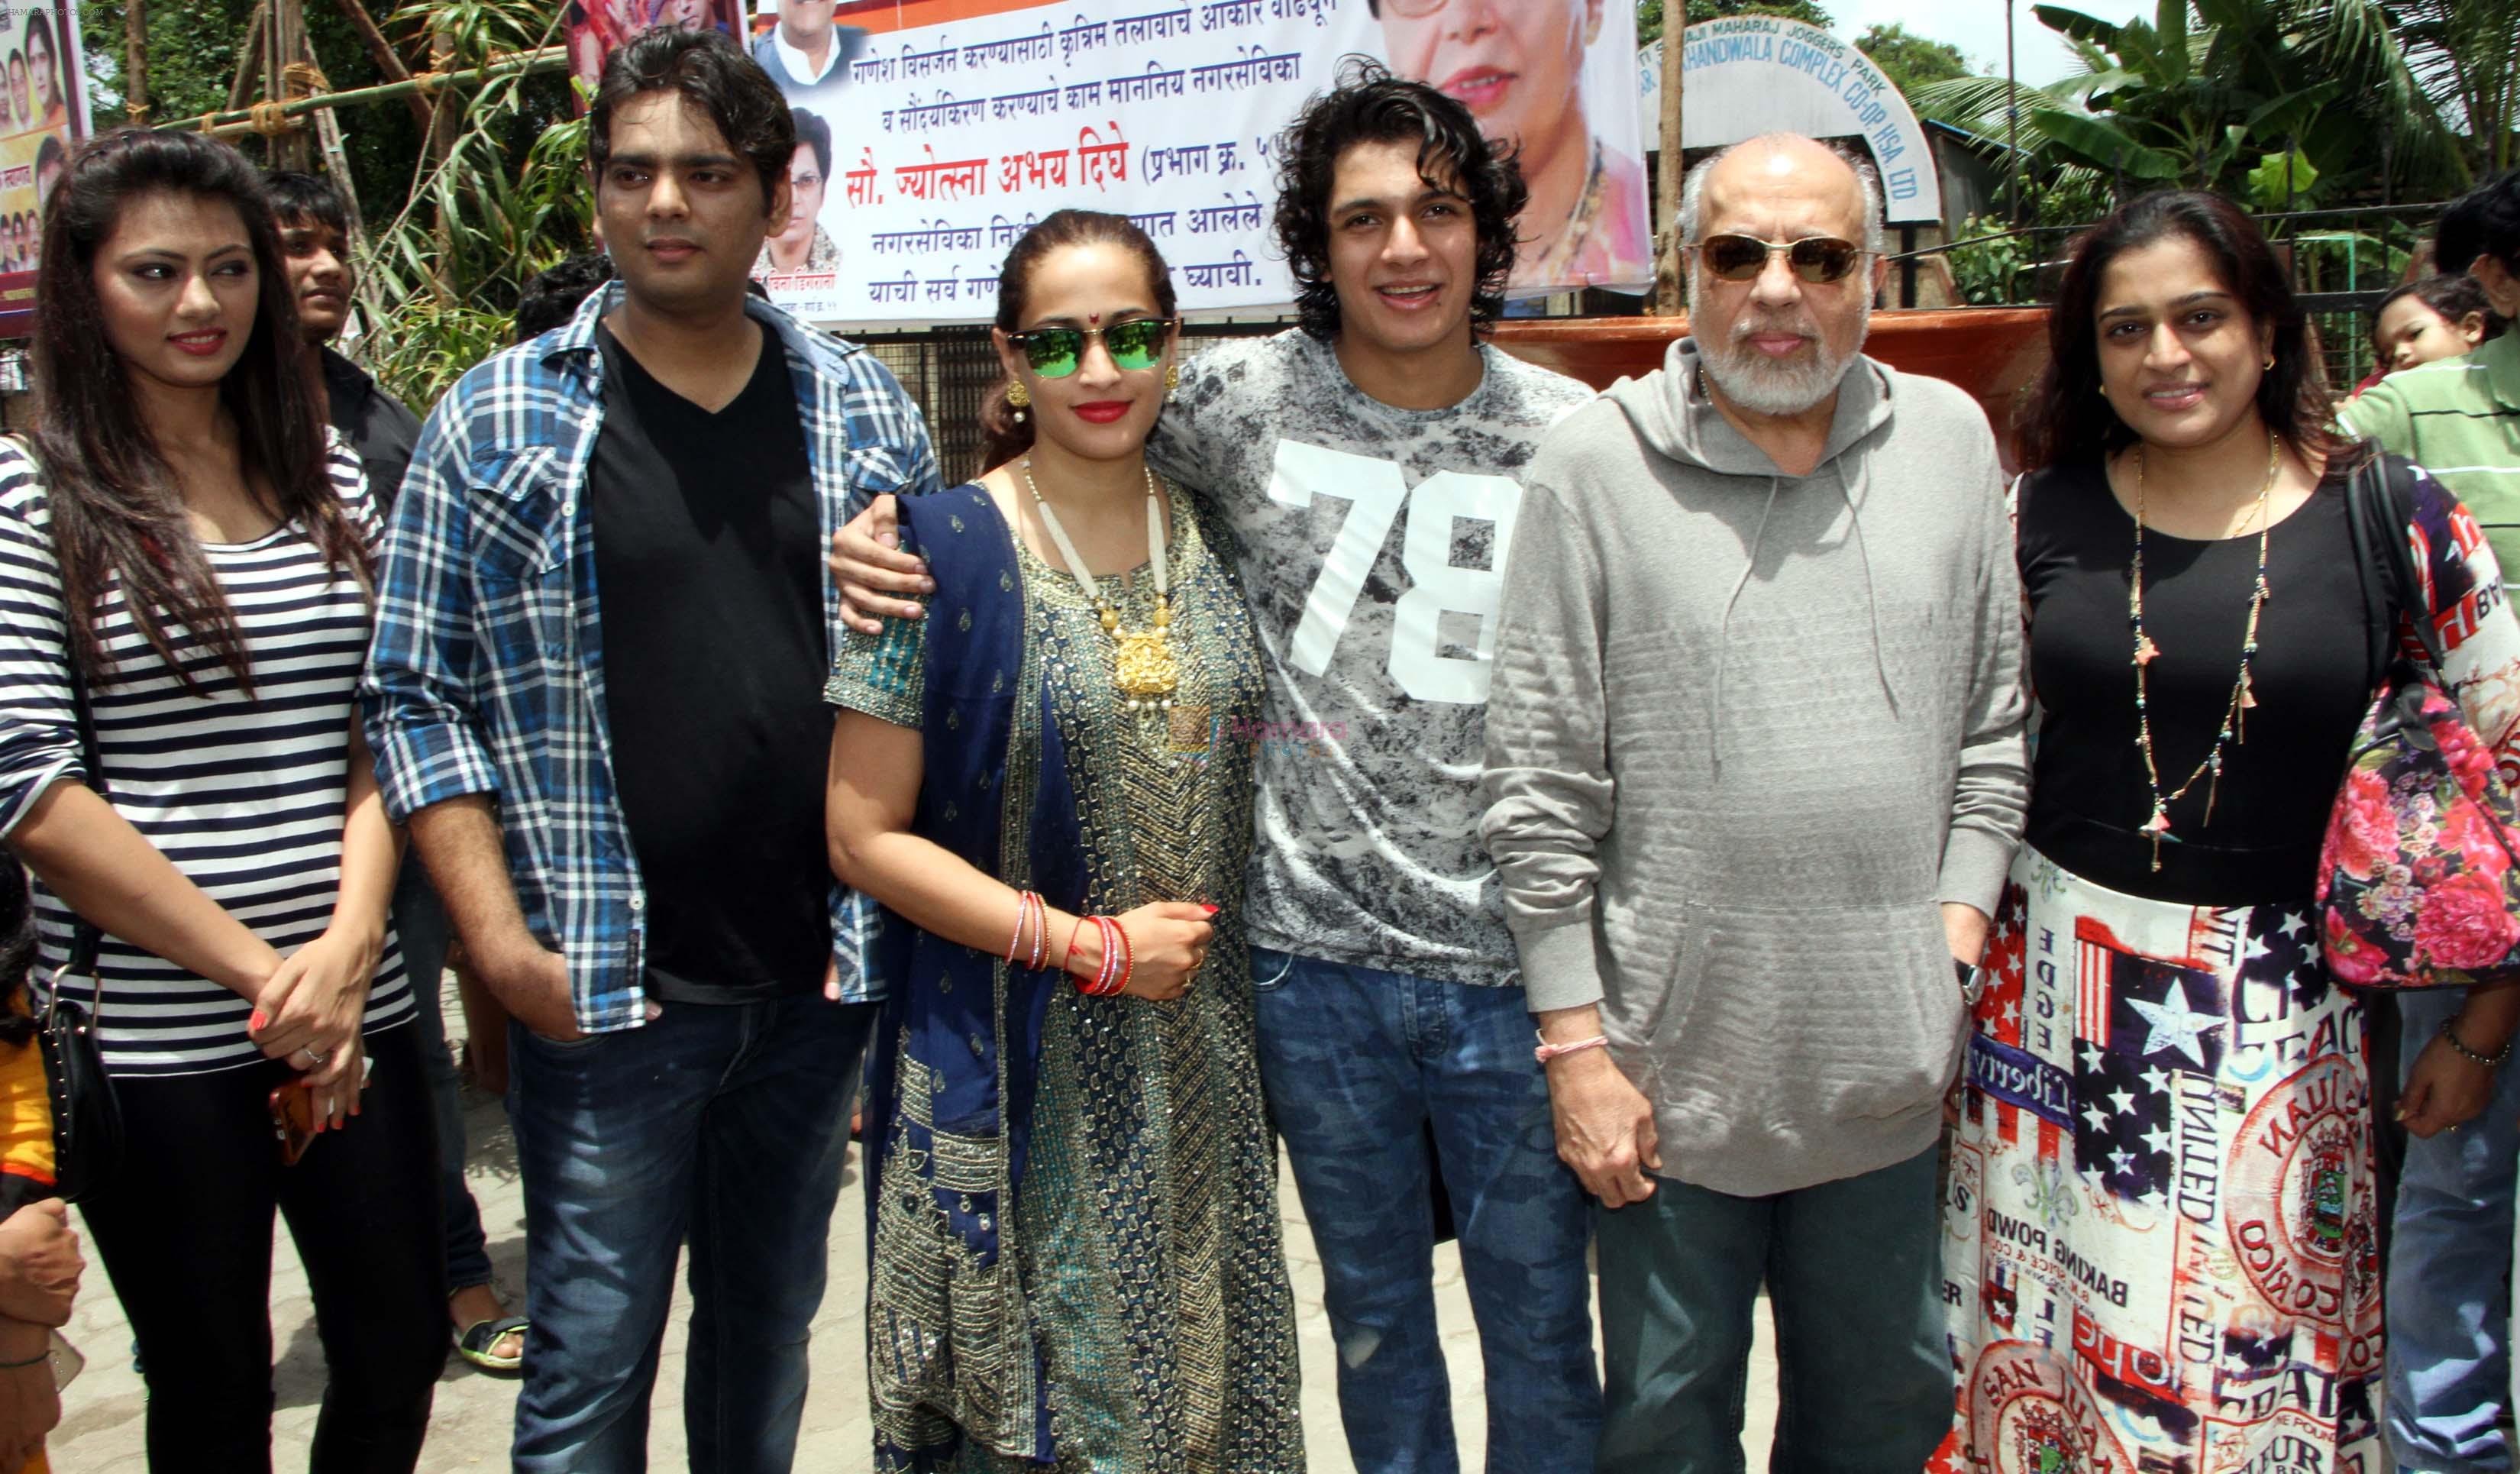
(1072, 1195)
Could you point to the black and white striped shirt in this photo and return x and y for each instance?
(245, 795)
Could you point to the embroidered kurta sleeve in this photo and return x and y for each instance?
(884, 676)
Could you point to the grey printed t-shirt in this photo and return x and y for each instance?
(1372, 547)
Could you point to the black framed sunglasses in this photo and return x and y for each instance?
(1814, 259)
(1056, 352)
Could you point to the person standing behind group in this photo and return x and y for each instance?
(650, 894)
(2450, 1263)
(315, 237)
(2459, 418)
(1754, 769)
(181, 545)
(1368, 464)
(2163, 1179)
(1126, 1159)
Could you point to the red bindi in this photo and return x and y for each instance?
(1094, 318)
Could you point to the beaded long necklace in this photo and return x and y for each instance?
(2235, 721)
(1143, 665)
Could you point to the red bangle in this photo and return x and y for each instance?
(1015, 941)
(1040, 930)
(1109, 982)
(1128, 959)
(1072, 944)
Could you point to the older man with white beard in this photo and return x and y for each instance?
(1754, 772)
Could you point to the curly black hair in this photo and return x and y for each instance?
(1370, 106)
(708, 71)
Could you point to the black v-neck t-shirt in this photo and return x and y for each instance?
(708, 571)
(2313, 677)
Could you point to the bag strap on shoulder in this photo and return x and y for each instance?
(2378, 511)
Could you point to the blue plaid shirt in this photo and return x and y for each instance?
(487, 673)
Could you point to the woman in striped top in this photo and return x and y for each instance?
(181, 540)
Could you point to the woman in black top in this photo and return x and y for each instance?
(2162, 1227)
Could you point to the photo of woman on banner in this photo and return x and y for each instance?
(803, 244)
(1518, 67)
(20, 117)
(43, 75)
(805, 53)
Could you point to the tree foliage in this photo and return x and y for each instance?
(2205, 94)
(1649, 14)
(1910, 60)
(194, 47)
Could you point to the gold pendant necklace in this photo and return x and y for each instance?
(1143, 665)
(2235, 726)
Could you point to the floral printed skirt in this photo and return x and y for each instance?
(2159, 1233)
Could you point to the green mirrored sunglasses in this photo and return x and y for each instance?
(1056, 352)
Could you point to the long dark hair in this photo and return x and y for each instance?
(1003, 437)
(1370, 106)
(118, 515)
(2067, 417)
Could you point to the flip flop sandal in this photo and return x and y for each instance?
(475, 1344)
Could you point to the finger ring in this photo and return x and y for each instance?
(314, 1053)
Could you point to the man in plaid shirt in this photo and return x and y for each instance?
(621, 799)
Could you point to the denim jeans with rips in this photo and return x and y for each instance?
(727, 1123)
(1357, 1063)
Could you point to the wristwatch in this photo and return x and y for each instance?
(1973, 980)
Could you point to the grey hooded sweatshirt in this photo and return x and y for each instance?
(1747, 732)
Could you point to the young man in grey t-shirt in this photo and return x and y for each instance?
(1367, 464)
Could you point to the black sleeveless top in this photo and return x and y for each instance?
(2313, 678)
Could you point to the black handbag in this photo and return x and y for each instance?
(87, 1119)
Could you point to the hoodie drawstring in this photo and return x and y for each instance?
(1871, 598)
(1871, 602)
(1723, 629)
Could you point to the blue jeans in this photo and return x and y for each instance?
(725, 1123)
(420, 921)
(1355, 1064)
(2448, 1297)
(1854, 1278)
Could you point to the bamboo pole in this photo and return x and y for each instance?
(284, 47)
(241, 120)
(135, 61)
(382, 52)
(249, 58)
(1670, 297)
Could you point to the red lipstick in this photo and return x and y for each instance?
(1102, 411)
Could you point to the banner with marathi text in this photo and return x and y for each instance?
(43, 115)
(926, 149)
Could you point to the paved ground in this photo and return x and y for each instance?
(101, 1430)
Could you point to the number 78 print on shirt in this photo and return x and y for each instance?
(1370, 542)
